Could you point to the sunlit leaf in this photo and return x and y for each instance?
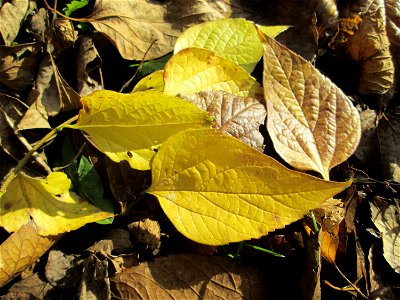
(12, 14)
(48, 203)
(312, 123)
(153, 81)
(233, 39)
(228, 191)
(194, 69)
(131, 126)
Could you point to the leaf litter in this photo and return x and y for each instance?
(49, 67)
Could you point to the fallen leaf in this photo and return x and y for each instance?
(386, 218)
(193, 69)
(95, 282)
(12, 14)
(48, 203)
(235, 40)
(237, 116)
(18, 65)
(131, 126)
(62, 34)
(21, 250)
(88, 67)
(153, 81)
(312, 123)
(326, 11)
(32, 287)
(187, 276)
(133, 25)
(62, 270)
(146, 233)
(392, 8)
(230, 192)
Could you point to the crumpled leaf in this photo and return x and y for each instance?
(194, 69)
(188, 276)
(22, 249)
(48, 203)
(86, 76)
(12, 14)
(131, 126)
(235, 40)
(18, 65)
(229, 191)
(369, 46)
(153, 81)
(312, 123)
(386, 218)
(133, 25)
(326, 11)
(237, 116)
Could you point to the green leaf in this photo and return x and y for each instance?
(151, 66)
(74, 5)
(132, 126)
(233, 39)
(216, 190)
(193, 69)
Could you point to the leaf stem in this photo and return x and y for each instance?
(10, 177)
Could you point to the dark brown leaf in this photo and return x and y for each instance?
(188, 277)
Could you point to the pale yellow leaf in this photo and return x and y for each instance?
(153, 81)
(235, 40)
(48, 203)
(131, 126)
(194, 69)
(216, 190)
(312, 123)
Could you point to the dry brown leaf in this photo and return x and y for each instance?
(369, 46)
(312, 123)
(146, 233)
(18, 65)
(188, 276)
(32, 287)
(22, 249)
(61, 269)
(12, 14)
(326, 11)
(88, 63)
(133, 25)
(237, 116)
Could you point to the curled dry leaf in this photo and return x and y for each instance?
(312, 123)
(230, 192)
(18, 65)
(12, 14)
(48, 203)
(187, 276)
(237, 116)
(386, 218)
(21, 250)
(369, 46)
(326, 11)
(133, 25)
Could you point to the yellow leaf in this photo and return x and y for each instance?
(228, 191)
(131, 126)
(153, 81)
(21, 249)
(312, 123)
(235, 40)
(193, 69)
(48, 203)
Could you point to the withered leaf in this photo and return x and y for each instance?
(22, 249)
(312, 123)
(18, 65)
(133, 25)
(237, 116)
(12, 14)
(188, 276)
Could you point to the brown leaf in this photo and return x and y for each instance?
(12, 14)
(32, 287)
(147, 233)
(326, 11)
(237, 116)
(88, 64)
(188, 277)
(393, 27)
(18, 65)
(133, 25)
(312, 123)
(22, 249)
(62, 269)
(369, 46)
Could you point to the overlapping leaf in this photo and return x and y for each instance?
(48, 203)
(233, 39)
(228, 191)
(194, 69)
(12, 14)
(131, 126)
(312, 123)
(153, 81)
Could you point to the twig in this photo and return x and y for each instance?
(349, 282)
